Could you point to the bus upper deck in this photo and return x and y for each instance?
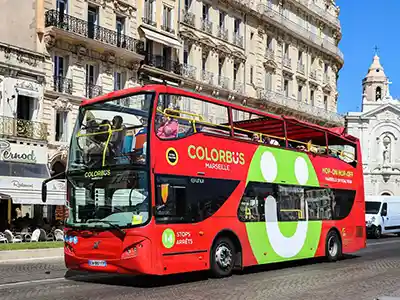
(257, 127)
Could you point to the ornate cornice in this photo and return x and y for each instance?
(119, 6)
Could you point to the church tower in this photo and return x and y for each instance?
(375, 86)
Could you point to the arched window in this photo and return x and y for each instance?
(378, 93)
(385, 194)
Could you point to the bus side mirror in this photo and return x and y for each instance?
(44, 192)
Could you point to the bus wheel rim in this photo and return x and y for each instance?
(223, 256)
(332, 246)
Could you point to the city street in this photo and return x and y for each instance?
(370, 274)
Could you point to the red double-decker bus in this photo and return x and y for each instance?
(155, 188)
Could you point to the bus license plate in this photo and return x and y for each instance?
(97, 263)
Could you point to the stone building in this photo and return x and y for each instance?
(278, 55)
(378, 128)
(281, 56)
(23, 132)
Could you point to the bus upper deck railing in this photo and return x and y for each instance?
(305, 146)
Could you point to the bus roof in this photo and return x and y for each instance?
(271, 124)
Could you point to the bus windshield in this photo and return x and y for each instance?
(108, 198)
(111, 133)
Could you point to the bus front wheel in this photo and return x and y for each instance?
(222, 257)
(333, 246)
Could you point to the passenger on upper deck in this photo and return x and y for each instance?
(169, 127)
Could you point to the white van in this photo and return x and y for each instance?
(382, 215)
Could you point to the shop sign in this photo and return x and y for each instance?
(16, 155)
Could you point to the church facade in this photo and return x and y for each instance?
(378, 128)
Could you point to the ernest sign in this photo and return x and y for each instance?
(22, 153)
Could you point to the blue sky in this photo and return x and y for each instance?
(366, 23)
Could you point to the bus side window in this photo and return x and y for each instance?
(181, 199)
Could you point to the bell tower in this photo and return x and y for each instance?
(375, 86)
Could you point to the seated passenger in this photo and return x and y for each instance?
(169, 129)
(255, 138)
(270, 141)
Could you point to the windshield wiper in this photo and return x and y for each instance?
(109, 223)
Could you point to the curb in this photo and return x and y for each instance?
(31, 254)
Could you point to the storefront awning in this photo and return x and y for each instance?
(35, 198)
(27, 190)
(162, 39)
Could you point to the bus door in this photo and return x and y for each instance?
(178, 217)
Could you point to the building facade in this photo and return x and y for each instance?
(378, 128)
(275, 55)
(279, 56)
(23, 133)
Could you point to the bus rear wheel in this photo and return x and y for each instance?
(333, 246)
(222, 257)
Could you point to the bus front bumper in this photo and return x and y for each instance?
(134, 260)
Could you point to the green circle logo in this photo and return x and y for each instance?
(168, 238)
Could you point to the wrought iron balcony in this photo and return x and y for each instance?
(223, 33)
(207, 77)
(287, 62)
(320, 12)
(300, 106)
(238, 39)
(93, 90)
(188, 71)
(300, 68)
(207, 26)
(163, 63)
(238, 87)
(313, 75)
(149, 21)
(188, 18)
(12, 127)
(306, 34)
(168, 29)
(89, 30)
(269, 54)
(223, 82)
(327, 79)
(62, 85)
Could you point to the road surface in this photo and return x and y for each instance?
(372, 273)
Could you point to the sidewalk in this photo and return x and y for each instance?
(13, 255)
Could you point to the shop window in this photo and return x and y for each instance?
(181, 199)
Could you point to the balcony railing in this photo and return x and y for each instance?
(163, 63)
(207, 77)
(62, 85)
(313, 75)
(12, 127)
(223, 33)
(301, 31)
(300, 68)
(320, 11)
(207, 26)
(167, 28)
(287, 62)
(238, 39)
(89, 30)
(149, 21)
(327, 79)
(269, 54)
(223, 82)
(238, 87)
(93, 90)
(300, 106)
(188, 18)
(188, 71)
